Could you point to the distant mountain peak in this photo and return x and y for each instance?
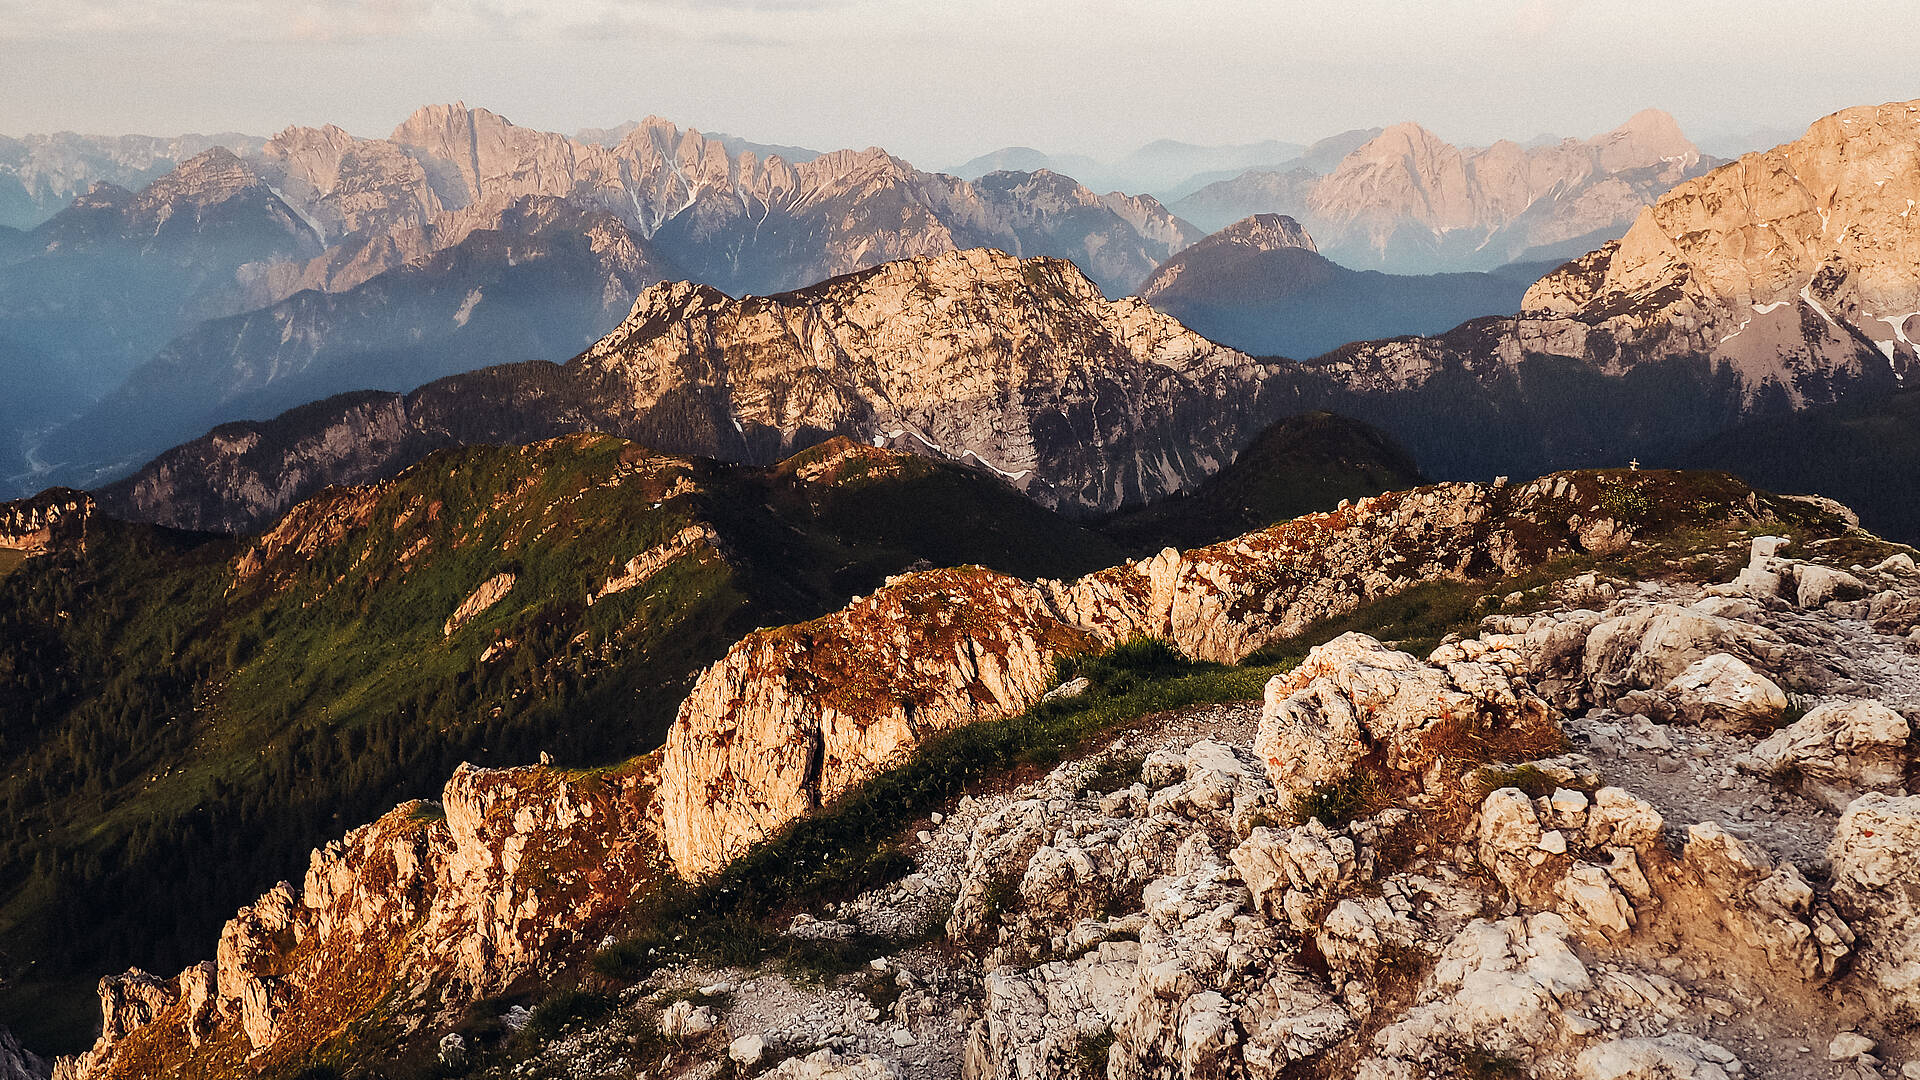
(1264, 232)
(1649, 137)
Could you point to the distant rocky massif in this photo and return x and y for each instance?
(460, 240)
(41, 174)
(1017, 366)
(1684, 328)
(1408, 202)
(255, 274)
(1775, 283)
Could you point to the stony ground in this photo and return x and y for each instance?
(1179, 925)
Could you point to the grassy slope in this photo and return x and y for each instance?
(1299, 465)
(176, 741)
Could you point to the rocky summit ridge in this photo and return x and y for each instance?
(1018, 366)
(741, 220)
(1211, 911)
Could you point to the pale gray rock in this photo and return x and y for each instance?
(1876, 880)
(1674, 1056)
(1815, 585)
(1723, 692)
(1836, 752)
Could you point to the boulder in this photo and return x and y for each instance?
(1742, 898)
(747, 1050)
(1814, 585)
(1876, 881)
(1674, 1056)
(1647, 648)
(685, 1020)
(1722, 691)
(1836, 752)
(1353, 696)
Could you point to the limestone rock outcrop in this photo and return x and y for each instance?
(792, 717)
(1874, 881)
(1836, 752)
(455, 900)
(1353, 698)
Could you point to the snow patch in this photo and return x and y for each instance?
(466, 308)
(996, 468)
(319, 231)
(1806, 293)
(1763, 309)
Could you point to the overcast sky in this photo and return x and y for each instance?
(938, 81)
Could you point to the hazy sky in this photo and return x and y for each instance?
(940, 80)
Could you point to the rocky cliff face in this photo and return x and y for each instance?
(1407, 201)
(1021, 366)
(52, 519)
(1819, 227)
(516, 866)
(792, 718)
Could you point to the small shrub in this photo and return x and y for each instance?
(1112, 774)
(564, 1010)
(1002, 896)
(1482, 1065)
(1335, 802)
(1625, 502)
(1796, 709)
(1528, 778)
(1092, 1053)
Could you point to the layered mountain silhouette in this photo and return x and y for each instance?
(335, 212)
(1682, 328)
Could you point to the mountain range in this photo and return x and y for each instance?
(327, 213)
(1164, 168)
(1407, 201)
(1681, 329)
(41, 174)
(745, 553)
(744, 217)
